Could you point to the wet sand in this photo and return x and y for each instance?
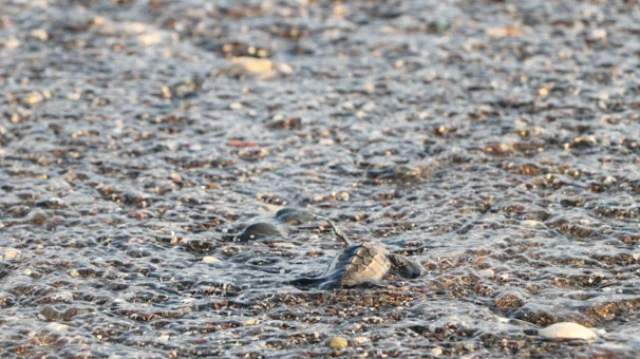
(497, 143)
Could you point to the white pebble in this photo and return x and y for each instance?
(210, 259)
(9, 254)
(487, 273)
(57, 327)
(436, 351)
(567, 330)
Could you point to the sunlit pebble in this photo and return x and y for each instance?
(210, 260)
(156, 38)
(195, 147)
(609, 181)
(436, 351)
(56, 327)
(11, 43)
(487, 273)
(543, 92)
(599, 34)
(40, 34)
(338, 343)
(62, 296)
(343, 196)
(283, 245)
(532, 223)
(369, 106)
(361, 340)
(250, 65)
(285, 69)
(469, 346)
(567, 330)
(33, 97)
(9, 254)
(348, 106)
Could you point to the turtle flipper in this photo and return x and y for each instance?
(306, 282)
(405, 267)
(339, 233)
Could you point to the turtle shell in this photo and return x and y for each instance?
(360, 263)
(357, 264)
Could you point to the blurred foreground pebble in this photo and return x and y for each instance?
(567, 330)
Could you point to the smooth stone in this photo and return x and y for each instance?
(338, 343)
(567, 330)
(210, 260)
(56, 326)
(9, 254)
(436, 351)
(258, 230)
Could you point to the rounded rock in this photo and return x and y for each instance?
(567, 330)
(210, 260)
(9, 254)
(338, 343)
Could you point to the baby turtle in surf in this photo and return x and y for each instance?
(360, 263)
(257, 231)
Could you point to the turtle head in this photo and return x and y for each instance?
(405, 267)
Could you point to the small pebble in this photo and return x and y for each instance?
(338, 343)
(56, 327)
(210, 260)
(609, 181)
(361, 340)
(436, 351)
(487, 273)
(567, 330)
(9, 254)
(532, 223)
(61, 296)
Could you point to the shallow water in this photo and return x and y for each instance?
(496, 143)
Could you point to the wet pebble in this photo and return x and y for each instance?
(61, 296)
(338, 343)
(258, 230)
(508, 301)
(210, 260)
(436, 351)
(51, 203)
(262, 69)
(567, 330)
(37, 217)
(56, 327)
(361, 340)
(9, 254)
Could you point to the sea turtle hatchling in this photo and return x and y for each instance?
(360, 263)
